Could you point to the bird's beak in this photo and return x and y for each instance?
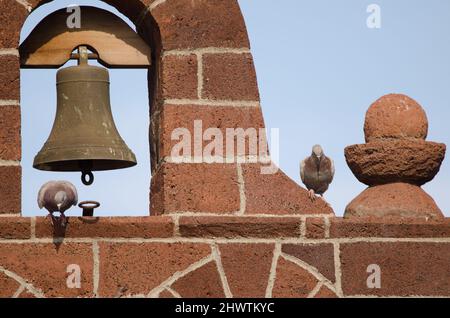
(59, 206)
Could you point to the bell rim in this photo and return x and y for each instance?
(69, 158)
(66, 165)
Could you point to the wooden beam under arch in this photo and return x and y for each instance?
(51, 43)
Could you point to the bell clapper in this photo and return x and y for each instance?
(87, 177)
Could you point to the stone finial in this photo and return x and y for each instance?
(395, 116)
(395, 161)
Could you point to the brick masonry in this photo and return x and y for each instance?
(216, 256)
(218, 229)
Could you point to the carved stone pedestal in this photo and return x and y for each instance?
(395, 161)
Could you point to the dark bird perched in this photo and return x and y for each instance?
(57, 196)
(317, 172)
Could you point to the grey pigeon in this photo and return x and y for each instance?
(57, 196)
(317, 172)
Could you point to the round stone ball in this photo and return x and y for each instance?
(395, 116)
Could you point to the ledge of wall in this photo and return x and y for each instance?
(224, 256)
(225, 227)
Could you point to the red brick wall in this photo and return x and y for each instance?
(218, 256)
(223, 229)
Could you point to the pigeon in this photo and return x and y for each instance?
(57, 196)
(317, 172)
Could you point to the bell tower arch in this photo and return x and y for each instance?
(200, 71)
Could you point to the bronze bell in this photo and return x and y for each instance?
(84, 136)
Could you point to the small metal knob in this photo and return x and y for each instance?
(88, 207)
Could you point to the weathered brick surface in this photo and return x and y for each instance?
(325, 292)
(320, 256)
(406, 268)
(388, 227)
(36, 3)
(239, 227)
(315, 228)
(157, 192)
(277, 194)
(12, 15)
(166, 294)
(115, 227)
(229, 77)
(201, 283)
(14, 228)
(222, 118)
(292, 281)
(200, 23)
(10, 189)
(179, 78)
(154, 263)
(45, 266)
(26, 294)
(8, 286)
(196, 188)
(10, 133)
(132, 9)
(247, 267)
(9, 75)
